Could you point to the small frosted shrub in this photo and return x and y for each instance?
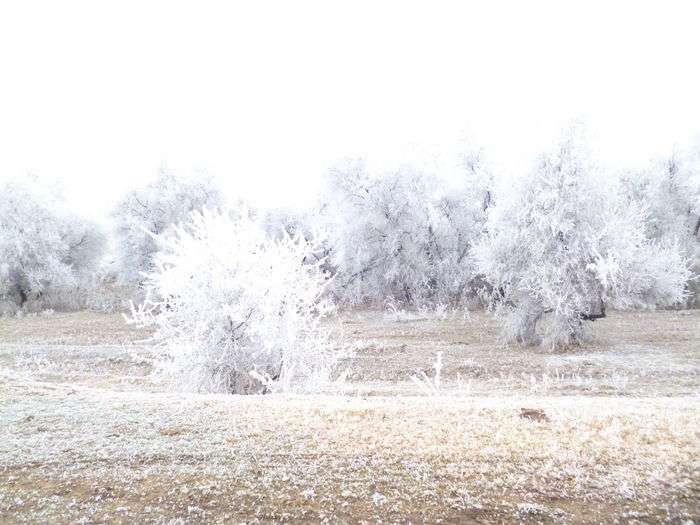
(236, 311)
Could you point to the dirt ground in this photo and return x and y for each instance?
(608, 433)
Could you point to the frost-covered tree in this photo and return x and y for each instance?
(458, 220)
(87, 244)
(151, 210)
(374, 225)
(48, 255)
(399, 236)
(236, 310)
(670, 190)
(562, 246)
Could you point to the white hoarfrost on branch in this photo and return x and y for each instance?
(562, 246)
(238, 311)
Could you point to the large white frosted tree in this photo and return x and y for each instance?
(400, 236)
(48, 255)
(236, 310)
(562, 246)
(152, 210)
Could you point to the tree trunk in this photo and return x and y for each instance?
(22, 296)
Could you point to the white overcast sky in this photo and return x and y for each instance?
(266, 95)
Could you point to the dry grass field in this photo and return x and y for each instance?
(610, 431)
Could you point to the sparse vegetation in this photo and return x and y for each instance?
(94, 436)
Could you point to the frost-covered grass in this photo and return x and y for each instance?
(88, 436)
(631, 354)
(79, 328)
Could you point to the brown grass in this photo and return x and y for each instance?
(94, 439)
(78, 329)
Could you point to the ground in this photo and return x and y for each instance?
(609, 432)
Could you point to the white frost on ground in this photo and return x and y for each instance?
(89, 436)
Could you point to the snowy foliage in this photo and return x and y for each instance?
(558, 245)
(399, 237)
(153, 209)
(48, 256)
(564, 245)
(237, 311)
(670, 190)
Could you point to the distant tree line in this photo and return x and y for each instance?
(546, 250)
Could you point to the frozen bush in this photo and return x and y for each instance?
(237, 311)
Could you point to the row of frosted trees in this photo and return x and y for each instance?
(51, 257)
(238, 302)
(559, 243)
